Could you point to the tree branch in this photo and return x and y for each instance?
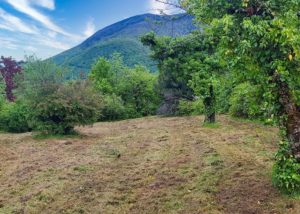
(170, 3)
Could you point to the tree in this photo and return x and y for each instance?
(172, 80)
(39, 79)
(9, 68)
(137, 89)
(185, 64)
(128, 92)
(260, 41)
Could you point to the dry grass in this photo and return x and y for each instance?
(150, 165)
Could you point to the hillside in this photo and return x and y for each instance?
(123, 37)
(148, 165)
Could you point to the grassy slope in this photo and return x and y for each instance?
(149, 165)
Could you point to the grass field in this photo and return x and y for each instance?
(149, 165)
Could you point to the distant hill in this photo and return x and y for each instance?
(123, 37)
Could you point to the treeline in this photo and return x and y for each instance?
(39, 97)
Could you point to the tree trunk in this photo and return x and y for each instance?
(291, 114)
(209, 103)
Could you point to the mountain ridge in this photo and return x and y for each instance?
(123, 37)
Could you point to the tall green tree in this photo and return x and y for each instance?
(260, 41)
(189, 66)
(173, 81)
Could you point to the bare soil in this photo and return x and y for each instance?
(149, 165)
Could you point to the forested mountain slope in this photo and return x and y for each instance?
(124, 37)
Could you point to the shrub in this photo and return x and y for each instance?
(286, 170)
(246, 101)
(71, 105)
(14, 117)
(137, 89)
(187, 107)
(112, 108)
(129, 92)
(223, 93)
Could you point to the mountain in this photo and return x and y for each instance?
(124, 37)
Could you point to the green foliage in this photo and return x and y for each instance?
(173, 56)
(137, 89)
(71, 105)
(259, 43)
(102, 76)
(2, 93)
(113, 108)
(128, 92)
(14, 117)
(286, 170)
(256, 55)
(56, 106)
(246, 101)
(123, 37)
(188, 67)
(39, 79)
(187, 107)
(223, 90)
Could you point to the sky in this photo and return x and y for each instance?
(47, 27)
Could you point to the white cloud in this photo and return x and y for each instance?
(31, 48)
(49, 4)
(90, 28)
(5, 27)
(8, 43)
(159, 7)
(12, 23)
(25, 6)
(48, 42)
(52, 34)
(46, 38)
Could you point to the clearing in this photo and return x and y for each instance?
(149, 165)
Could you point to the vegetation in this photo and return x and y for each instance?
(47, 103)
(264, 65)
(173, 164)
(246, 101)
(14, 117)
(128, 92)
(8, 69)
(123, 37)
(243, 60)
(69, 106)
(268, 58)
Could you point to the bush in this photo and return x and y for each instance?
(286, 171)
(112, 108)
(137, 89)
(71, 105)
(223, 92)
(246, 102)
(14, 117)
(186, 107)
(129, 92)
